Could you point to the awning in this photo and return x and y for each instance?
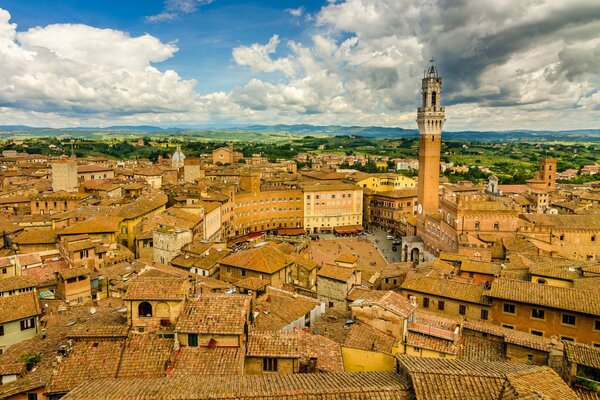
(254, 235)
(344, 230)
(238, 240)
(290, 231)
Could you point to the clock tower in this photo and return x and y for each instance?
(430, 119)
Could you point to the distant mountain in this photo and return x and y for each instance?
(304, 129)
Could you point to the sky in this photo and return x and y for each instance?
(506, 64)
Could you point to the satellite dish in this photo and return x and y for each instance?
(93, 310)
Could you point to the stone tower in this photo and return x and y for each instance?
(430, 119)
(64, 175)
(547, 172)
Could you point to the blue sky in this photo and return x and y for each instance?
(531, 64)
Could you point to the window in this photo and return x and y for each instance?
(496, 226)
(145, 309)
(561, 237)
(4, 270)
(509, 308)
(529, 357)
(508, 326)
(568, 319)
(426, 302)
(193, 339)
(462, 309)
(536, 333)
(567, 339)
(270, 364)
(83, 253)
(597, 325)
(484, 315)
(27, 324)
(243, 272)
(477, 225)
(32, 396)
(441, 305)
(1, 330)
(331, 304)
(538, 313)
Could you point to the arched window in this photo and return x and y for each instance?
(433, 99)
(145, 309)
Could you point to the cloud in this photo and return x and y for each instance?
(174, 8)
(295, 12)
(77, 70)
(258, 57)
(532, 64)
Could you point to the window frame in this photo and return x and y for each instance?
(513, 305)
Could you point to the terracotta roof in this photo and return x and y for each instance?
(191, 362)
(582, 354)
(17, 282)
(36, 236)
(214, 313)
(145, 356)
(272, 344)
(421, 340)
(265, 258)
(18, 306)
(481, 267)
(578, 300)
(347, 258)
(74, 272)
(88, 360)
(327, 352)
(13, 369)
(447, 288)
(93, 168)
(277, 309)
(335, 272)
(93, 225)
(511, 336)
(564, 222)
(563, 272)
(103, 325)
(387, 299)
(252, 283)
(157, 288)
(439, 379)
(355, 386)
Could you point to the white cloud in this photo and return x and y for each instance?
(174, 8)
(258, 57)
(295, 12)
(80, 70)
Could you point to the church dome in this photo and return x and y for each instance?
(178, 156)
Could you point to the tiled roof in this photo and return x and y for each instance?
(145, 356)
(18, 306)
(387, 299)
(278, 309)
(214, 313)
(335, 272)
(555, 271)
(74, 272)
(103, 325)
(17, 282)
(36, 236)
(447, 288)
(191, 362)
(342, 386)
(93, 225)
(157, 288)
(272, 344)
(442, 379)
(577, 300)
(252, 283)
(582, 354)
(481, 267)
(265, 258)
(327, 352)
(347, 258)
(89, 360)
(12, 369)
(421, 340)
(511, 336)
(538, 383)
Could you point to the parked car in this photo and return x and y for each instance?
(390, 237)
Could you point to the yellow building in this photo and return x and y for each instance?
(382, 182)
(328, 205)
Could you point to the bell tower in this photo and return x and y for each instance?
(430, 119)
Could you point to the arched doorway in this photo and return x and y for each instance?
(414, 254)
